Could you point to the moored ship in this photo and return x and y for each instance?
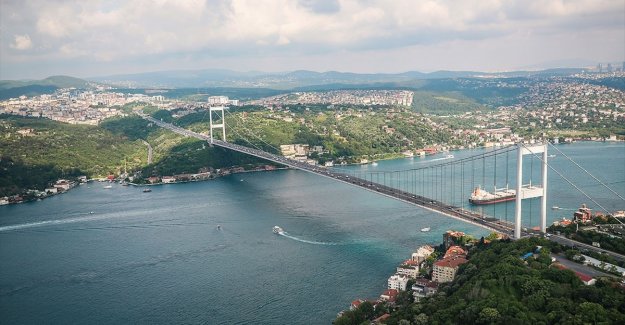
(482, 197)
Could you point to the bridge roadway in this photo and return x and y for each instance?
(407, 197)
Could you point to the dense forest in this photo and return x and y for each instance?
(36, 151)
(498, 287)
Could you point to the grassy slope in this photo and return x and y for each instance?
(63, 150)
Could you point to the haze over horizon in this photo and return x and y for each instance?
(88, 39)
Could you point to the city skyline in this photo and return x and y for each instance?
(88, 39)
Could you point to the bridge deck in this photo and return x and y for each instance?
(407, 197)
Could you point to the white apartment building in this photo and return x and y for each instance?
(398, 282)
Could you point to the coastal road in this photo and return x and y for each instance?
(149, 151)
(579, 267)
(569, 242)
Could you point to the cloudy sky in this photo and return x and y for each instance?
(93, 38)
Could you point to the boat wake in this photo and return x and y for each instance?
(56, 222)
(435, 159)
(285, 234)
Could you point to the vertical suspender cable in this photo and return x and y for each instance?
(495, 184)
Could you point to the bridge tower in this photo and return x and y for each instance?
(530, 191)
(221, 125)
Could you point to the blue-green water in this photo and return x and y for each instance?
(159, 258)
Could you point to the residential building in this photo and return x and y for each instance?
(398, 282)
(422, 253)
(168, 179)
(451, 238)
(389, 295)
(423, 288)
(445, 270)
(409, 268)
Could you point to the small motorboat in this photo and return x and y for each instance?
(218, 227)
(278, 230)
(147, 190)
(426, 229)
(374, 164)
(450, 156)
(108, 186)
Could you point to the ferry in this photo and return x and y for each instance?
(426, 229)
(482, 197)
(278, 230)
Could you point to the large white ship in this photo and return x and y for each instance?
(481, 197)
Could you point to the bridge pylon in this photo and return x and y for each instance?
(530, 191)
(221, 125)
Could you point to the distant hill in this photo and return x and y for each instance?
(16, 88)
(299, 79)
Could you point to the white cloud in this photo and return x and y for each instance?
(212, 30)
(21, 42)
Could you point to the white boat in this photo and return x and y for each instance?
(555, 207)
(278, 230)
(374, 164)
(450, 156)
(551, 156)
(108, 186)
(426, 229)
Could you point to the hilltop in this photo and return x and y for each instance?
(16, 88)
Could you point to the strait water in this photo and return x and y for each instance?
(118, 255)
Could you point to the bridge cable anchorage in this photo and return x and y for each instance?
(571, 183)
(587, 172)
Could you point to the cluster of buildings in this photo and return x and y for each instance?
(565, 102)
(203, 174)
(341, 97)
(76, 106)
(424, 271)
(58, 187)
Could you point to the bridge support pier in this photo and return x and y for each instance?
(221, 125)
(530, 191)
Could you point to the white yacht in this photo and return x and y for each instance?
(277, 230)
(426, 229)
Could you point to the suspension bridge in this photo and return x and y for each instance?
(443, 187)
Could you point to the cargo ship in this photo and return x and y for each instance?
(482, 197)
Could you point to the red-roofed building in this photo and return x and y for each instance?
(423, 288)
(445, 269)
(455, 251)
(355, 304)
(587, 279)
(389, 295)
